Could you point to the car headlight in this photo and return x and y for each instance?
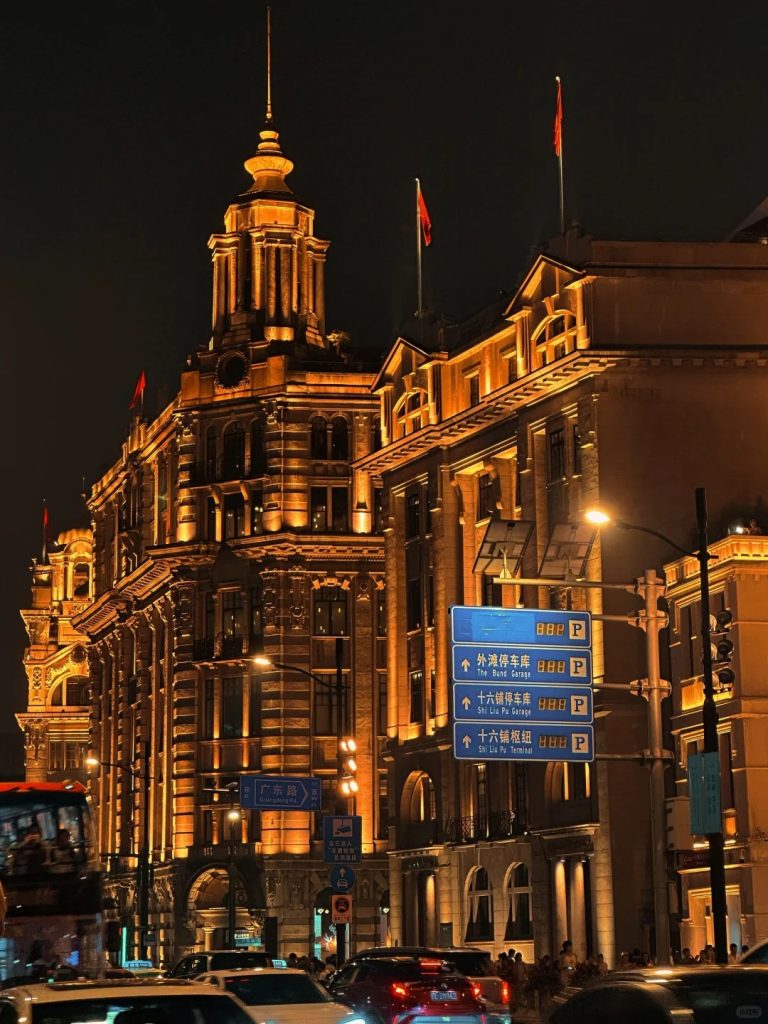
(354, 1020)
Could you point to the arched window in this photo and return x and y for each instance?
(233, 454)
(569, 782)
(81, 577)
(57, 696)
(479, 907)
(258, 452)
(419, 798)
(412, 412)
(318, 443)
(555, 337)
(77, 691)
(339, 438)
(519, 924)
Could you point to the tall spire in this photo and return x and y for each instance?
(269, 66)
(269, 167)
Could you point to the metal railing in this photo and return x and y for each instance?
(495, 825)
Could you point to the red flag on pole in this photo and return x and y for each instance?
(45, 517)
(558, 133)
(138, 394)
(426, 223)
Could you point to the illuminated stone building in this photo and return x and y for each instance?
(610, 376)
(738, 582)
(233, 524)
(55, 723)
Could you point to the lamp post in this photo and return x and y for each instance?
(233, 816)
(710, 719)
(346, 784)
(142, 860)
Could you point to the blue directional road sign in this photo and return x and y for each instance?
(280, 793)
(342, 838)
(342, 878)
(484, 663)
(524, 626)
(524, 741)
(505, 702)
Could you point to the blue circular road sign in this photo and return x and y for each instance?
(342, 878)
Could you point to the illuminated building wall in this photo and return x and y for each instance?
(738, 582)
(234, 525)
(55, 722)
(609, 377)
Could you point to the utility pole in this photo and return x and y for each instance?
(143, 867)
(234, 818)
(342, 804)
(710, 719)
(656, 689)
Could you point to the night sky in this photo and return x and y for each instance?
(126, 124)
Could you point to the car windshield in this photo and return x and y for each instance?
(415, 971)
(475, 965)
(715, 998)
(271, 989)
(120, 1009)
(226, 961)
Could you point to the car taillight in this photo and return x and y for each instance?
(399, 990)
(476, 990)
(505, 991)
(430, 965)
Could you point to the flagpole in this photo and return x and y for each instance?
(44, 559)
(418, 250)
(560, 157)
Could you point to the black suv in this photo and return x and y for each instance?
(407, 990)
(218, 960)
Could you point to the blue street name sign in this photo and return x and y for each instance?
(525, 626)
(526, 741)
(483, 663)
(280, 793)
(481, 702)
(342, 838)
(342, 878)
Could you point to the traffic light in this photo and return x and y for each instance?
(348, 767)
(722, 648)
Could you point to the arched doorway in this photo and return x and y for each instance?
(208, 903)
(419, 817)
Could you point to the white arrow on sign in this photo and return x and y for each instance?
(466, 702)
(465, 665)
(467, 741)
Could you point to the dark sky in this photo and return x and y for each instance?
(125, 125)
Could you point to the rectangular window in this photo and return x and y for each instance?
(208, 827)
(412, 515)
(330, 612)
(413, 604)
(382, 831)
(210, 515)
(481, 792)
(473, 386)
(232, 708)
(381, 710)
(232, 613)
(512, 368)
(486, 496)
(416, 686)
(325, 705)
(208, 709)
(432, 693)
(55, 755)
(234, 516)
(491, 596)
(576, 438)
(518, 482)
(556, 461)
(319, 510)
(210, 616)
(339, 510)
(430, 600)
(257, 619)
(381, 613)
(254, 707)
(378, 510)
(257, 512)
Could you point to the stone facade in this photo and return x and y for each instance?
(233, 525)
(608, 378)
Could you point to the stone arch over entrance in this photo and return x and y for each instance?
(208, 908)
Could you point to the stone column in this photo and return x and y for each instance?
(184, 688)
(559, 905)
(320, 293)
(286, 284)
(578, 910)
(271, 283)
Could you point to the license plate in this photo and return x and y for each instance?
(444, 996)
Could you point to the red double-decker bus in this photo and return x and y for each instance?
(51, 877)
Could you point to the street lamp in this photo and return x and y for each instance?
(142, 860)
(709, 712)
(346, 764)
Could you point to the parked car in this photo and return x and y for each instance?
(119, 1002)
(758, 954)
(475, 964)
(282, 996)
(193, 964)
(407, 990)
(666, 995)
